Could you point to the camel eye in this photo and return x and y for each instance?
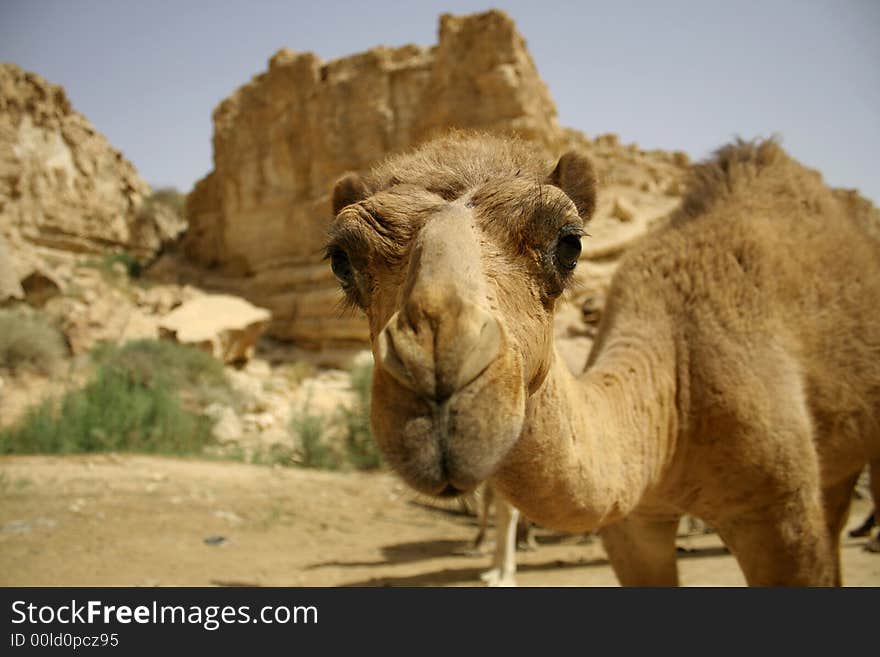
(341, 266)
(568, 250)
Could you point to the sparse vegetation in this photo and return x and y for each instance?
(132, 266)
(195, 374)
(106, 265)
(143, 397)
(294, 373)
(360, 445)
(29, 341)
(275, 455)
(309, 428)
(356, 448)
(170, 197)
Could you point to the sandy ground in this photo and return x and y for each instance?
(150, 521)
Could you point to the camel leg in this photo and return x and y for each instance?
(485, 505)
(503, 568)
(872, 518)
(785, 543)
(525, 534)
(836, 500)
(642, 550)
(874, 479)
(873, 545)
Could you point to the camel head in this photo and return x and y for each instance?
(457, 253)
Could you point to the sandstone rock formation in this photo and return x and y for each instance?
(10, 284)
(62, 185)
(257, 221)
(223, 325)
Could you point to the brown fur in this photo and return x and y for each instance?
(735, 375)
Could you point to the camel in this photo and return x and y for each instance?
(735, 374)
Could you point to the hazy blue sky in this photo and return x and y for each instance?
(668, 74)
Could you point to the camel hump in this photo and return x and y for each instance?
(752, 169)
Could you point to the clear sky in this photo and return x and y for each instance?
(668, 74)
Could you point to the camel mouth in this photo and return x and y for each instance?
(446, 448)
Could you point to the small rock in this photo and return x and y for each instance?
(258, 421)
(259, 368)
(17, 527)
(25, 527)
(248, 388)
(215, 540)
(227, 425)
(229, 516)
(623, 209)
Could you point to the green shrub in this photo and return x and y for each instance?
(196, 374)
(309, 428)
(112, 412)
(110, 274)
(131, 264)
(275, 454)
(29, 342)
(357, 449)
(360, 446)
(135, 401)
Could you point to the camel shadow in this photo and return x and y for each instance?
(470, 575)
(465, 576)
(400, 553)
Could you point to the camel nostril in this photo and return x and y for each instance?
(483, 348)
(437, 361)
(389, 358)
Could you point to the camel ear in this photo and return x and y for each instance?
(575, 176)
(349, 189)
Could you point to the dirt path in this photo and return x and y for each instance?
(144, 521)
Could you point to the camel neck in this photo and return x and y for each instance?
(594, 446)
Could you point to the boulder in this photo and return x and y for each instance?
(225, 326)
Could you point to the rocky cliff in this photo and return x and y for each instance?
(258, 219)
(62, 185)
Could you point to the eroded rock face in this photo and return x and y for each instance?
(10, 283)
(62, 185)
(257, 222)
